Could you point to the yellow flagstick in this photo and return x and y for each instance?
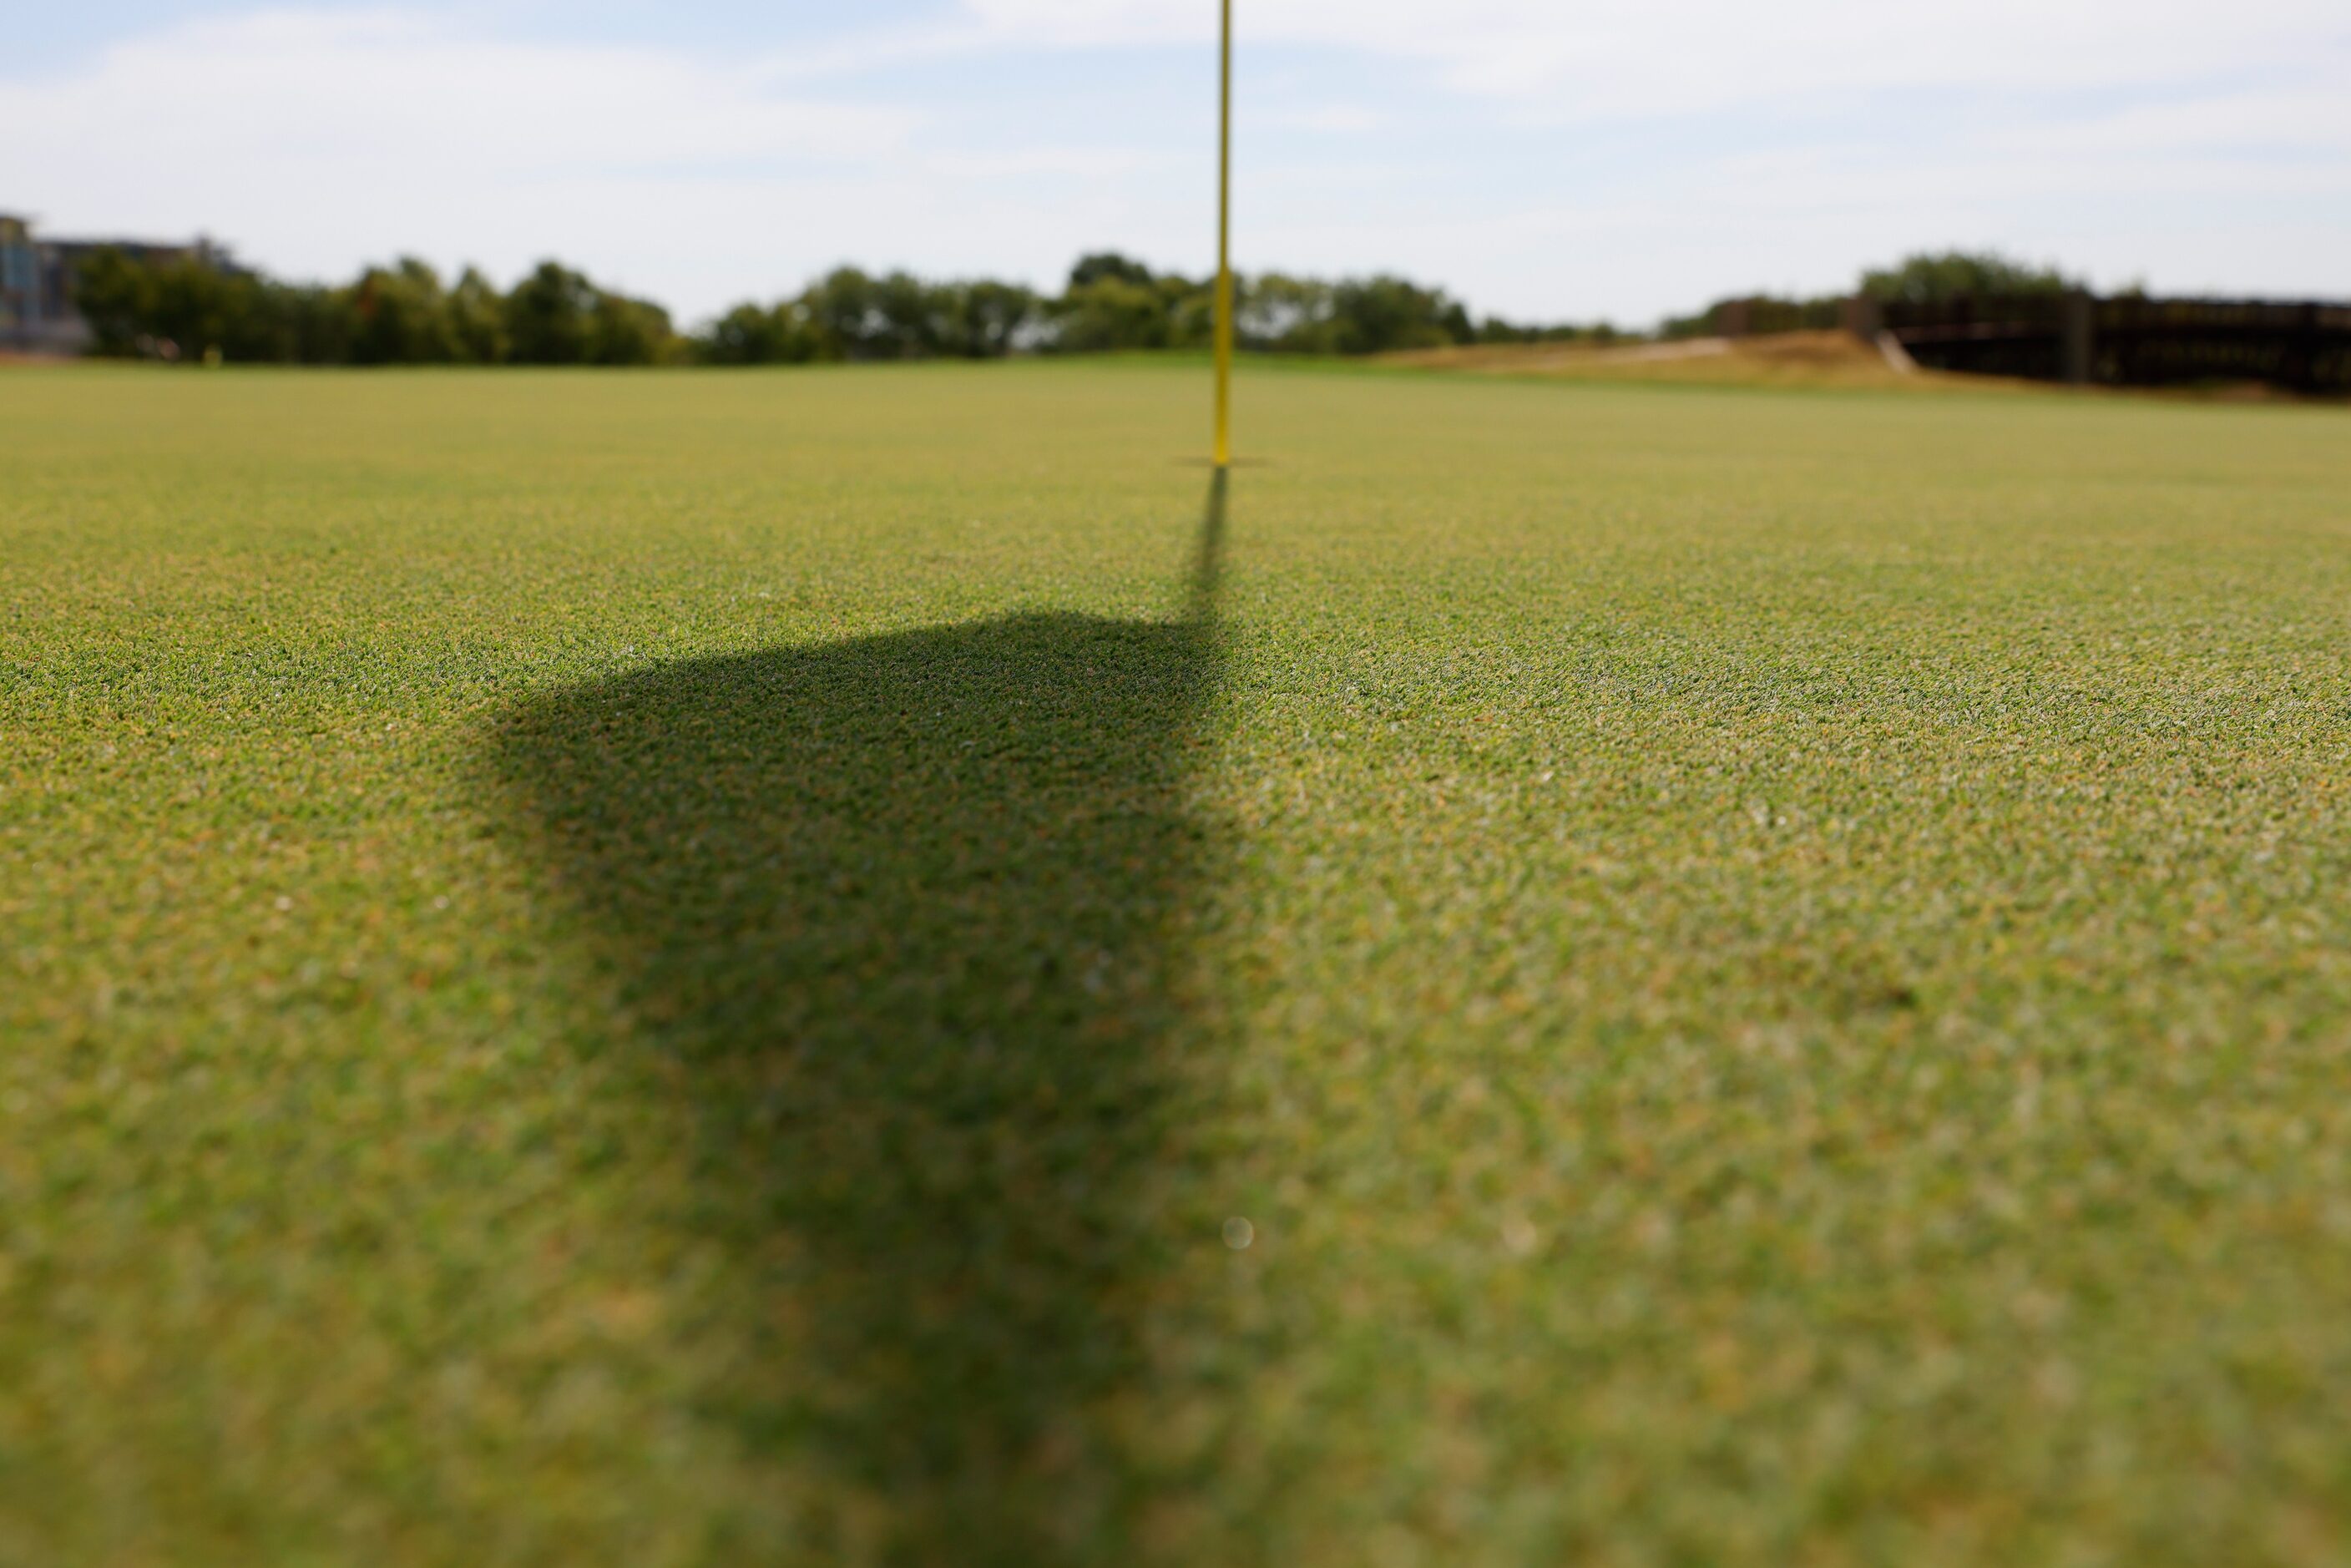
(1225, 247)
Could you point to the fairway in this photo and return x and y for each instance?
(848, 965)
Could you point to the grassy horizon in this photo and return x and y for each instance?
(689, 969)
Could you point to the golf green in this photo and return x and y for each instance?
(852, 965)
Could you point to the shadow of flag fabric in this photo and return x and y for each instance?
(906, 913)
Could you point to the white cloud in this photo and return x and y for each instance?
(2307, 121)
(2133, 194)
(359, 91)
(1639, 57)
(1743, 146)
(1838, 132)
(306, 136)
(1331, 120)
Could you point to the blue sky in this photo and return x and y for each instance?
(1609, 158)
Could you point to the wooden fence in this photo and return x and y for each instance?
(2131, 341)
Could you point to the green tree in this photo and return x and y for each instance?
(1289, 315)
(1382, 314)
(313, 326)
(1111, 314)
(1191, 310)
(625, 331)
(1109, 264)
(557, 316)
(985, 319)
(759, 335)
(195, 308)
(478, 318)
(1123, 306)
(116, 296)
(1931, 278)
(551, 317)
(844, 310)
(905, 324)
(404, 317)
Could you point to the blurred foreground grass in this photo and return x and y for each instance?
(679, 968)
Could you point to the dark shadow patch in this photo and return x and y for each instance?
(905, 917)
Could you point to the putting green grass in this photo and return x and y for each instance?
(817, 967)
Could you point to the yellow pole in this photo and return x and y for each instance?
(1225, 247)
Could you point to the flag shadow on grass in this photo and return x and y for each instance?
(905, 916)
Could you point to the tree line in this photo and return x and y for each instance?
(404, 314)
(1926, 277)
(408, 314)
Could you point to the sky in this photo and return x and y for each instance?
(1552, 159)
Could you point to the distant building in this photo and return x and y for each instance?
(20, 281)
(36, 308)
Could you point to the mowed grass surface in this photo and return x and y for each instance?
(690, 968)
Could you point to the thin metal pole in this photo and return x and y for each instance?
(1224, 246)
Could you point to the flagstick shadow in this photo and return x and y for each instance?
(905, 912)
